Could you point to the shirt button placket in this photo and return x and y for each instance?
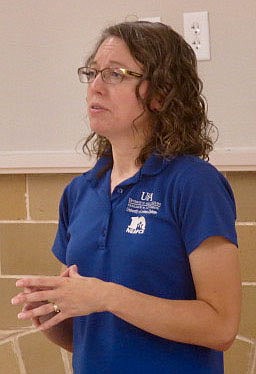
(104, 233)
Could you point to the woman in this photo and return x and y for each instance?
(151, 228)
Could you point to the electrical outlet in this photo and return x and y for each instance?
(196, 33)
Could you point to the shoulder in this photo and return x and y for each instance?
(77, 185)
(190, 175)
(79, 181)
(189, 165)
(88, 178)
(192, 169)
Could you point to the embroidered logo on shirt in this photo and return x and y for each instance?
(146, 204)
(137, 225)
(147, 196)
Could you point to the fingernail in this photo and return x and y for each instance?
(19, 283)
(13, 301)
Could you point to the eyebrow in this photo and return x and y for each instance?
(111, 62)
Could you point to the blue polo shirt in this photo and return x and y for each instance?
(140, 236)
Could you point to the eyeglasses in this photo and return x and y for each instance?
(108, 75)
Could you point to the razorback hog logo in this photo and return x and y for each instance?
(137, 225)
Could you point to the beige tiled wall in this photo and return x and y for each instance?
(28, 221)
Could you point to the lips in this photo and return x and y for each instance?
(97, 106)
(96, 109)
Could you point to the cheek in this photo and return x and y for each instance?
(127, 108)
(131, 98)
(87, 94)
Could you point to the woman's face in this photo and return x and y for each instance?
(113, 107)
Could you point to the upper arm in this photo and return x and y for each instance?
(216, 274)
(205, 207)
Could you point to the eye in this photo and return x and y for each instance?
(89, 73)
(116, 74)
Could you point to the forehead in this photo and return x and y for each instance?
(114, 50)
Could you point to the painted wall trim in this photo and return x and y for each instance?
(30, 162)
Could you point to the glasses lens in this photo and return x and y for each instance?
(87, 75)
(111, 75)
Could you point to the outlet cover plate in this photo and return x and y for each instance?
(196, 33)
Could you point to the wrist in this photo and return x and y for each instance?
(113, 296)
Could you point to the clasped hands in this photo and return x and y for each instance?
(69, 295)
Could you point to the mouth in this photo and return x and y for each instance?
(97, 107)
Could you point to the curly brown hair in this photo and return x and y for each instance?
(181, 125)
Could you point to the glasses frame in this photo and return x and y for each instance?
(125, 72)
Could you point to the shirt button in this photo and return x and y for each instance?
(120, 190)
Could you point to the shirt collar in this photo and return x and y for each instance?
(152, 166)
(99, 169)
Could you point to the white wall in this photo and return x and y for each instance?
(44, 42)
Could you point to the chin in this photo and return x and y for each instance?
(99, 128)
(101, 132)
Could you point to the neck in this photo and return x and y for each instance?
(124, 164)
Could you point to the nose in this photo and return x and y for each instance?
(98, 84)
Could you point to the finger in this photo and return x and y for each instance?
(36, 312)
(65, 273)
(74, 267)
(25, 308)
(73, 272)
(17, 297)
(29, 306)
(27, 290)
(38, 296)
(51, 322)
(33, 289)
(38, 282)
(36, 322)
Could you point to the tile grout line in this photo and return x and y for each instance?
(251, 284)
(252, 360)
(23, 221)
(246, 223)
(19, 276)
(27, 202)
(1, 263)
(244, 339)
(17, 351)
(254, 363)
(66, 362)
(16, 333)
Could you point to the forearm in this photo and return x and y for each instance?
(189, 321)
(211, 320)
(61, 334)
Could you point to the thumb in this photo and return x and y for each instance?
(65, 273)
(73, 271)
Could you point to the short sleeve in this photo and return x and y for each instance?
(206, 207)
(62, 236)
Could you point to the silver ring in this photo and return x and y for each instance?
(56, 308)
